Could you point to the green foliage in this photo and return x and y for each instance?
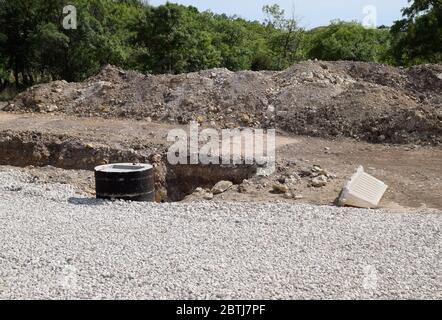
(418, 37)
(283, 35)
(173, 38)
(176, 41)
(349, 41)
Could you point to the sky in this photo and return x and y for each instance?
(312, 13)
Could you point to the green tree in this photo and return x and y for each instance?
(349, 41)
(418, 37)
(17, 23)
(176, 41)
(284, 35)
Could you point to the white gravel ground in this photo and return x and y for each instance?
(55, 244)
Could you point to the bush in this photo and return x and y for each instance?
(349, 41)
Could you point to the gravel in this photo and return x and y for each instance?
(57, 244)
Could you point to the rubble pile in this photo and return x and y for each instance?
(364, 101)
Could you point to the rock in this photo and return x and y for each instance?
(318, 171)
(207, 195)
(320, 181)
(289, 179)
(200, 194)
(304, 173)
(200, 119)
(280, 188)
(156, 158)
(246, 118)
(242, 189)
(36, 156)
(288, 195)
(316, 168)
(51, 108)
(213, 109)
(221, 187)
(298, 197)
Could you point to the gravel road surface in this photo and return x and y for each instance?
(56, 244)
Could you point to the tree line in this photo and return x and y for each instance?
(172, 38)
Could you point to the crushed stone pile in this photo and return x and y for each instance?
(365, 101)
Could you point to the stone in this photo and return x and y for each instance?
(51, 108)
(222, 187)
(316, 168)
(207, 195)
(318, 171)
(280, 188)
(213, 109)
(289, 179)
(304, 173)
(200, 193)
(246, 118)
(156, 158)
(292, 179)
(242, 189)
(320, 181)
(200, 119)
(288, 195)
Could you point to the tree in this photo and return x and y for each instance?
(17, 22)
(176, 40)
(348, 41)
(284, 35)
(418, 37)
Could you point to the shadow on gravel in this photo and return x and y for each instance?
(86, 201)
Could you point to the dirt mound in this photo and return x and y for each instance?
(366, 101)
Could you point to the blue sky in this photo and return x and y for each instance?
(312, 13)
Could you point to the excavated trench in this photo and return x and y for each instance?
(172, 182)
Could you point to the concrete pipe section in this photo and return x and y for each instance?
(125, 181)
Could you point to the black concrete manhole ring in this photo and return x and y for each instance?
(125, 181)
